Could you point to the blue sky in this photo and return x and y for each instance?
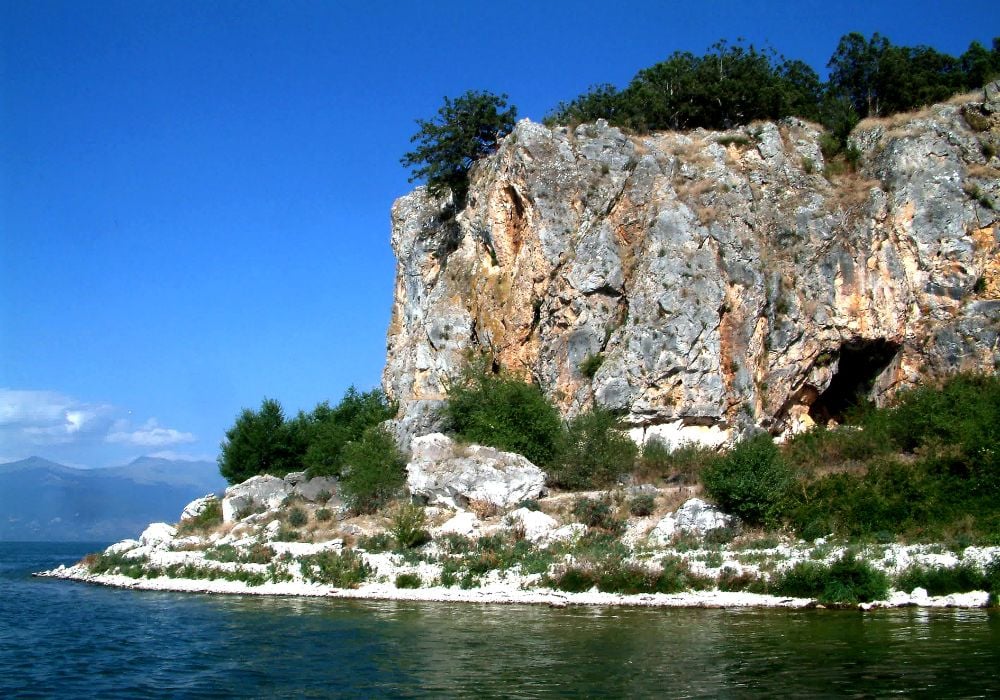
(194, 196)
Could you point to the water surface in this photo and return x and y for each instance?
(66, 639)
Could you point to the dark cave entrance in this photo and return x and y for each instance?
(861, 362)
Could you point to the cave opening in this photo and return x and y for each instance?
(861, 362)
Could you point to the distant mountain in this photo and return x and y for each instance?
(42, 500)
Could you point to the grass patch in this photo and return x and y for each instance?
(346, 569)
(208, 519)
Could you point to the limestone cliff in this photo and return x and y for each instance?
(723, 278)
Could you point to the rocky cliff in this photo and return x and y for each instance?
(714, 280)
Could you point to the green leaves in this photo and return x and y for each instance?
(750, 481)
(464, 130)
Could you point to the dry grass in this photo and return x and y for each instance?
(984, 172)
(965, 98)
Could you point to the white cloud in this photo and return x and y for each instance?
(48, 417)
(150, 434)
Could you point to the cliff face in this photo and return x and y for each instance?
(721, 277)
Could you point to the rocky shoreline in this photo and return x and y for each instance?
(504, 595)
(294, 537)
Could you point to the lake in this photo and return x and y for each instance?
(66, 639)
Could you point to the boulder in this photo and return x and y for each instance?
(262, 491)
(536, 524)
(318, 489)
(695, 517)
(157, 535)
(197, 506)
(445, 473)
(464, 523)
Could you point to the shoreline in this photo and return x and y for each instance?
(507, 595)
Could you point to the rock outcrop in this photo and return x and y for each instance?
(443, 472)
(727, 280)
(695, 517)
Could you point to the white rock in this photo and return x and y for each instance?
(444, 473)
(464, 523)
(312, 489)
(123, 546)
(197, 506)
(272, 529)
(695, 517)
(257, 491)
(567, 533)
(537, 525)
(157, 535)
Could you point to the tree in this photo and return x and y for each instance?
(464, 130)
(258, 443)
(333, 428)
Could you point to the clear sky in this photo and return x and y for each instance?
(194, 196)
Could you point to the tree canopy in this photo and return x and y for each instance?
(464, 130)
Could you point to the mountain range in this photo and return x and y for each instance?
(41, 500)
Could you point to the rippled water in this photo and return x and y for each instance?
(67, 639)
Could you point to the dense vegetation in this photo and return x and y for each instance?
(344, 441)
(731, 84)
(735, 84)
(926, 468)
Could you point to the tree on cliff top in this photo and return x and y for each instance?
(464, 130)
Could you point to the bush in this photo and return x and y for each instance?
(297, 517)
(845, 581)
(595, 453)
(530, 504)
(751, 481)
(594, 513)
(961, 578)
(408, 527)
(642, 505)
(344, 570)
(210, 517)
(324, 514)
(407, 581)
(591, 364)
(260, 442)
(375, 471)
(503, 412)
(683, 463)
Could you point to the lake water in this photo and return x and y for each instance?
(65, 639)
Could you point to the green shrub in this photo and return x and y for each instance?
(408, 527)
(503, 412)
(324, 514)
(408, 581)
(595, 453)
(750, 481)
(595, 513)
(642, 505)
(574, 580)
(375, 472)
(732, 580)
(344, 570)
(379, 542)
(530, 504)
(331, 429)
(209, 518)
(961, 578)
(683, 463)
(259, 553)
(297, 517)
(591, 364)
(846, 581)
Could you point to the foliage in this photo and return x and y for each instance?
(750, 481)
(961, 578)
(378, 542)
(264, 442)
(618, 576)
(407, 581)
(501, 411)
(950, 477)
(375, 470)
(258, 443)
(210, 517)
(259, 553)
(591, 364)
(333, 428)
(845, 581)
(344, 570)
(464, 130)
(683, 463)
(297, 517)
(408, 526)
(596, 513)
(530, 504)
(116, 563)
(324, 514)
(642, 505)
(595, 452)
